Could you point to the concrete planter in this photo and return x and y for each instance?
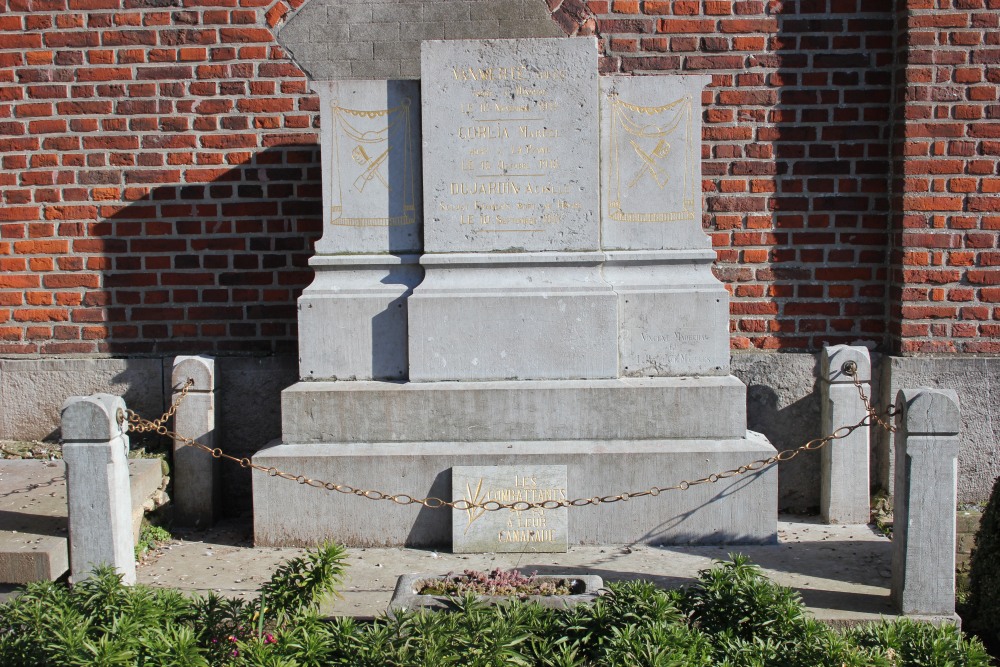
(585, 589)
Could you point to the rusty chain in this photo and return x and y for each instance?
(136, 423)
(851, 368)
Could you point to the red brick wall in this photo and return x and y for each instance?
(160, 184)
(160, 178)
(945, 256)
(796, 152)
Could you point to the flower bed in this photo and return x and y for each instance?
(731, 616)
(425, 591)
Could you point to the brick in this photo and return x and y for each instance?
(71, 213)
(67, 280)
(229, 35)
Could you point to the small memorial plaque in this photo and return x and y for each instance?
(535, 530)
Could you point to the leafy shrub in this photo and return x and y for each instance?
(732, 617)
(910, 643)
(100, 621)
(984, 572)
(736, 598)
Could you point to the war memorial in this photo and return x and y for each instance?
(513, 282)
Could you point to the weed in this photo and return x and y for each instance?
(150, 537)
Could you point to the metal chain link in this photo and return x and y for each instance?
(851, 368)
(138, 424)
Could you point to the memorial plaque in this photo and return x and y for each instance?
(510, 148)
(371, 166)
(534, 530)
(651, 162)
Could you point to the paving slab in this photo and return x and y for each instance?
(33, 515)
(842, 572)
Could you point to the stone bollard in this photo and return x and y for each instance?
(926, 478)
(196, 472)
(95, 448)
(844, 486)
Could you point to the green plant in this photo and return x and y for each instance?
(100, 621)
(914, 644)
(881, 513)
(732, 617)
(150, 537)
(735, 597)
(984, 572)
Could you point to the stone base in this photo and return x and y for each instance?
(359, 301)
(623, 409)
(741, 509)
(512, 316)
(673, 314)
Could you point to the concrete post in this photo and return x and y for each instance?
(95, 448)
(926, 478)
(844, 485)
(196, 473)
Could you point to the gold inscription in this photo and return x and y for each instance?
(528, 525)
(516, 73)
(490, 188)
(511, 163)
(483, 132)
(526, 536)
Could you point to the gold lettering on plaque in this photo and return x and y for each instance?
(523, 525)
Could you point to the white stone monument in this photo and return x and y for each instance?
(567, 315)
(352, 318)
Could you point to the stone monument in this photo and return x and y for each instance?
(553, 306)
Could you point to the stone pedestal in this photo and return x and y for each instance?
(523, 316)
(563, 313)
(197, 488)
(95, 447)
(928, 422)
(367, 260)
(844, 486)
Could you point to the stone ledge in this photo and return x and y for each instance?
(620, 409)
(739, 510)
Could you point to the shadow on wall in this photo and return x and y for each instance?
(808, 128)
(810, 137)
(216, 267)
(797, 484)
(213, 266)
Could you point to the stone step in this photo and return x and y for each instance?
(738, 510)
(33, 515)
(622, 409)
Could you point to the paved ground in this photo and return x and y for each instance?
(33, 521)
(842, 572)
